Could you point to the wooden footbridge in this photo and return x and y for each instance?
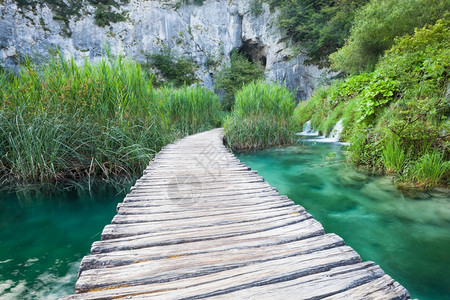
(200, 224)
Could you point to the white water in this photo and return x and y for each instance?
(333, 137)
(308, 130)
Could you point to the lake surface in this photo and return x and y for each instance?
(43, 239)
(407, 235)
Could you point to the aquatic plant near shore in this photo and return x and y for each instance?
(189, 109)
(63, 123)
(261, 117)
(429, 169)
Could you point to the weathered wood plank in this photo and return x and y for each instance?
(259, 241)
(187, 267)
(214, 228)
(305, 228)
(194, 217)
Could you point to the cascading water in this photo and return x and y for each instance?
(336, 132)
(308, 130)
(333, 137)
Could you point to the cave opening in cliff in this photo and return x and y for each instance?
(254, 51)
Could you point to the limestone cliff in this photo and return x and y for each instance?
(206, 31)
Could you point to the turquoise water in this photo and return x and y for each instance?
(407, 235)
(42, 240)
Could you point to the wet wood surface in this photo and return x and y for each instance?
(200, 224)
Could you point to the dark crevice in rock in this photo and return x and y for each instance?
(254, 51)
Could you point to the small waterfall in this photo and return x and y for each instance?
(308, 130)
(336, 132)
(333, 137)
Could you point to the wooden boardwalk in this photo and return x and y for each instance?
(200, 224)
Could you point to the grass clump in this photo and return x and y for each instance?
(429, 169)
(68, 125)
(261, 117)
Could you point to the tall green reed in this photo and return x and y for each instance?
(64, 123)
(188, 109)
(429, 169)
(261, 117)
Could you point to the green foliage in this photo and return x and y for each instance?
(63, 123)
(240, 71)
(64, 10)
(190, 109)
(378, 24)
(172, 69)
(396, 114)
(262, 117)
(376, 94)
(429, 169)
(256, 7)
(104, 16)
(319, 27)
(393, 155)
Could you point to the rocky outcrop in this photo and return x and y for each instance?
(206, 32)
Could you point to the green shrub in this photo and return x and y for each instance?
(318, 27)
(172, 69)
(256, 7)
(104, 16)
(261, 117)
(378, 24)
(237, 73)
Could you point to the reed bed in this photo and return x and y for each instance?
(65, 124)
(261, 117)
(189, 109)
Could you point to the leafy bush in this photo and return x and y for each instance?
(232, 77)
(318, 27)
(172, 69)
(378, 24)
(262, 117)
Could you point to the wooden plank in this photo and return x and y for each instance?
(271, 239)
(211, 228)
(307, 228)
(237, 216)
(147, 272)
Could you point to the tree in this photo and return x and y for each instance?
(238, 72)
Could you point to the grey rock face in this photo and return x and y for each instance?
(206, 32)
